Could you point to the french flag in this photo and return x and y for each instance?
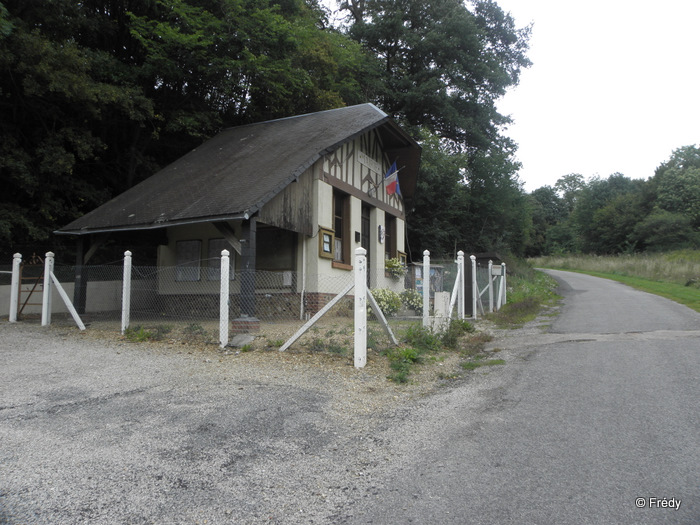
(391, 180)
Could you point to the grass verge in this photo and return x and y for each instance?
(674, 275)
(686, 295)
(477, 363)
(528, 291)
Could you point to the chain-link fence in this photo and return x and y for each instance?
(177, 300)
(275, 304)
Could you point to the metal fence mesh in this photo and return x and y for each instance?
(188, 298)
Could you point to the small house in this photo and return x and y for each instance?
(291, 199)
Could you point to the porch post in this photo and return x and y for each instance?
(247, 322)
(248, 268)
(81, 278)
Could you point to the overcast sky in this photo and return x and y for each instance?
(614, 87)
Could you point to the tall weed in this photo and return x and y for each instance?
(679, 266)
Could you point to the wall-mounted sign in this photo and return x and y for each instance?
(368, 161)
(325, 243)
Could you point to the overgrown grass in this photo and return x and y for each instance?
(418, 343)
(680, 266)
(674, 275)
(528, 291)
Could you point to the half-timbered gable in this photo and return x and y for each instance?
(359, 167)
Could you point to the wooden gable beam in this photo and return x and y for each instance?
(228, 233)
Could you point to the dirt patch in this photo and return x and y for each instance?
(322, 358)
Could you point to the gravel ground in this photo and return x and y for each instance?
(96, 430)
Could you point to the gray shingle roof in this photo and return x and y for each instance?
(235, 173)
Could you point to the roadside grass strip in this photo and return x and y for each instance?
(477, 363)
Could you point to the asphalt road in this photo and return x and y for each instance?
(598, 424)
(594, 409)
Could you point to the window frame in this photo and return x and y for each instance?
(185, 249)
(341, 227)
(390, 240)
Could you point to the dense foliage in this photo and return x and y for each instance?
(619, 214)
(99, 94)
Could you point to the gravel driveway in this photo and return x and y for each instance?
(95, 431)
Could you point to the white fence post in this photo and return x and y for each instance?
(475, 286)
(360, 307)
(490, 286)
(426, 289)
(224, 298)
(503, 281)
(126, 292)
(14, 288)
(460, 291)
(46, 298)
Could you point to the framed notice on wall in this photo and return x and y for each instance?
(325, 243)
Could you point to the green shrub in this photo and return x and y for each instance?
(456, 329)
(400, 361)
(137, 334)
(422, 338)
(389, 301)
(412, 300)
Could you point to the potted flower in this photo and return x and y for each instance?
(394, 268)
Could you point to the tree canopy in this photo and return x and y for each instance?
(442, 68)
(619, 214)
(99, 94)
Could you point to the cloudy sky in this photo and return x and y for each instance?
(614, 87)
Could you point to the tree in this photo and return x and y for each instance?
(98, 94)
(665, 230)
(677, 184)
(596, 195)
(436, 221)
(444, 67)
(498, 216)
(479, 207)
(611, 230)
(569, 186)
(56, 109)
(547, 210)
